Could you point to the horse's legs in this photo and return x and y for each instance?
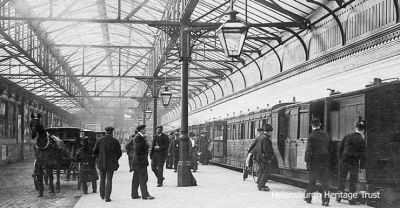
(46, 177)
(51, 186)
(68, 174)
(58, 181)
(39, 168)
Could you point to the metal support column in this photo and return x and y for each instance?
(155, 96)
(185, 177)
(144, 113)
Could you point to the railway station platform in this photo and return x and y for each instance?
(217, 188)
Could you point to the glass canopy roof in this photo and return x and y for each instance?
(109, 48)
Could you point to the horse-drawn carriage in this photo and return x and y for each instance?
(99, 134)
(54, 152)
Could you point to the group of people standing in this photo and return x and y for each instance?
(164, 149)
(319, 153)
(107, 152)
(318, 157)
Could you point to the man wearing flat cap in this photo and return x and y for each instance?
(158, 154)
(264, 155)
(107, 151)
(139, 164)
(352, 158)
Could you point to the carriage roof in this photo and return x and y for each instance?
(66, 134)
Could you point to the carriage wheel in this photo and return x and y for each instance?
(255, 169)
(35, 176)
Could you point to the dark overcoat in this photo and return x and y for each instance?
(140, 152)
(352, 149)
(174, 148)
(317, 149)
(163, 142)
(87, 162)
(263, 149)
(107, 151)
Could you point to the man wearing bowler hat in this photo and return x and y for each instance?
(352, 157)
(107, 151)
(158, 154)
(317, 158)
(139, 164)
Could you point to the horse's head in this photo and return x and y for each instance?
(36, 126)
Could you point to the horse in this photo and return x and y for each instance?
(48, 153)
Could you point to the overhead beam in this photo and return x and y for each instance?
(211, 11)
(215, 50)
(113, 76)
(103, 46)
(188, 10)
(153, 23)
(278, 8)
(211, 60)
(90, 20)
(133, 12)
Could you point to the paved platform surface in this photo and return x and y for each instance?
(217, 188)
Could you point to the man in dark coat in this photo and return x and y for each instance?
(169, 161)
(88, 172)
(129, 150)
(205, 153)
(158, 154)
(317, 158)
(107, 151)
(173, 150)
(139, 164)
(264, 155)
(351, 152)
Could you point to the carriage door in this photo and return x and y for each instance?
(218, 139)
(304, 127)
(292, 122)
(343, 115)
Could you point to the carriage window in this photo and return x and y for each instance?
(234, 128)
(237, 132)
(252, 129)
(72, 133)
(2, 108)
(264, 121)
(242, 131)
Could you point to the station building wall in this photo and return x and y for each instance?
(16, 106)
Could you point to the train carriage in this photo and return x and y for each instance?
(377, 104)
(216, 133)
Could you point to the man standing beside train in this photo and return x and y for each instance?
(158, 154)
(264, 155)
(318, 161)
(107, 151)
(351, 153)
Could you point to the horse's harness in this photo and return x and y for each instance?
(48, 142)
